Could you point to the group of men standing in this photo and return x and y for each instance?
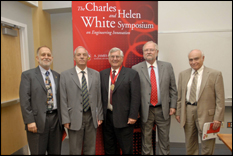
(80, 99)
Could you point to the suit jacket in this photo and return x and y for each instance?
(211, 100)
(125, 98)
(71, 98)
(167, 84)
(33, 98)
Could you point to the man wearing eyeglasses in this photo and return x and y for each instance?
(159, 95)
(120, 90)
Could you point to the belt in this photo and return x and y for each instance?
(193, 104)
(155, 106)
(52, 111)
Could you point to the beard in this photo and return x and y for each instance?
(45, 62)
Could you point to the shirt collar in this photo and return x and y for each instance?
(199, 70)
(79, 70)
(43, 71)
(117, 70)
(154, 64)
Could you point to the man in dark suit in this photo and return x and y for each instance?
(159, 95)
(81, 104)
(40, 105)
(120, 88)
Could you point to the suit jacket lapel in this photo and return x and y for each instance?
(55, 80)
(145, 71)
(40, 78)
(205, 76)
(186, 80)
(106, 77)
(120, 77)
(75, 77)
(90, 78)
(160, 70)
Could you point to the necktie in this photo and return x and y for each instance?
(111, 91)
(48, 85)
(85, 95)
(154, 96)
(192, 97)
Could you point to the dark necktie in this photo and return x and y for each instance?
(192, 97)
(85, 95)
(154, 96)
(111, 90)
(48, 85)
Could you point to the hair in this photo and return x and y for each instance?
(202, 53)
(114, 50)
(156, 45)
(75, 51)
(42, 47)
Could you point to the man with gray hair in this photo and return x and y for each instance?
(200, 99)
(120, 90)
(158, 98)
(81, 106)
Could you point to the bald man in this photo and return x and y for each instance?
(200, 104)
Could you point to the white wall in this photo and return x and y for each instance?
(62, 41)
(182, 26)
(207, 26)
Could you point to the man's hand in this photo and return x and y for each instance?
(216, 124)
(131, 121)
(67, 125)
(178, 118)
(32, 127)
(100, 122)
(172, 111)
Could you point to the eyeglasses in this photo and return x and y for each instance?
(147, 50)
(113, 56)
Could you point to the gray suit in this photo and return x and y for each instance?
(33, 101)
(168, 95)
(71, 103)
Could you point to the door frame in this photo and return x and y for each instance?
(23, 40)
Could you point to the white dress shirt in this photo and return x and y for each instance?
(78, 71)
(43, 71)
(109, 87)
(157, 78)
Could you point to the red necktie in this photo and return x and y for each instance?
(153, 97)
(111, 91)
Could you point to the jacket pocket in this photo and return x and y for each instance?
(211, 112)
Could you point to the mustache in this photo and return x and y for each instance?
(46, 59)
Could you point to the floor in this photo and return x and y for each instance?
(175, 149)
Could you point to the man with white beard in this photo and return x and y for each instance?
(40, 105)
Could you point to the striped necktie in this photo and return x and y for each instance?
(192, 97)
(85, 95)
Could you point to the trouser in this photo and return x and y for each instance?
(192, 130)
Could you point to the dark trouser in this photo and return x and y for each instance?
(50, 140)
(112, 136)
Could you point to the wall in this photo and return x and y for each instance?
(62, 41)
